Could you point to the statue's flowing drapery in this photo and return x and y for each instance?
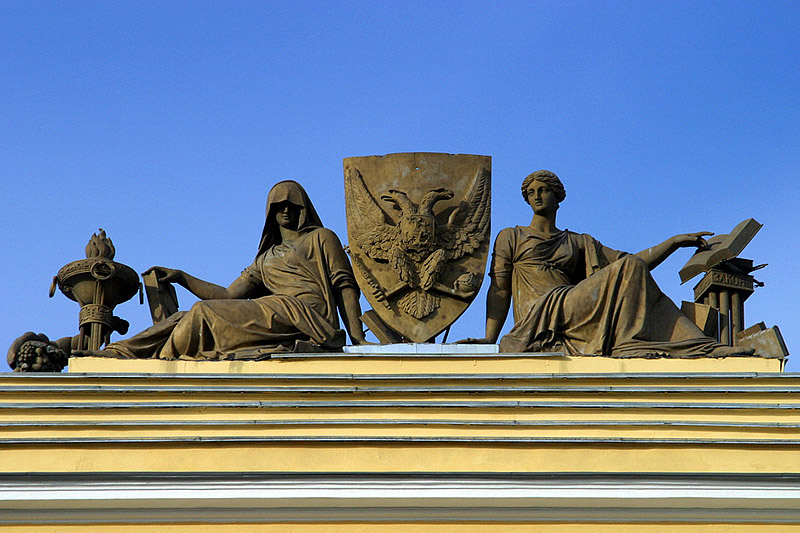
(571, 294)
(295, 282)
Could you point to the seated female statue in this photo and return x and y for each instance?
(571, 294)
(291, 292)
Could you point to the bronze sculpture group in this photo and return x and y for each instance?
(570, 294)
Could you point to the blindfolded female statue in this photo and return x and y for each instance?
(290, 294)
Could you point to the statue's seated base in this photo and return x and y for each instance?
(428, 359)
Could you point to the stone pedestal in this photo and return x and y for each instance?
(726, 292)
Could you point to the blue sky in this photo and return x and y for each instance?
(166, 123)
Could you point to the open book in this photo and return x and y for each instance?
(720, 248)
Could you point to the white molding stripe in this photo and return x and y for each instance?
(397, 498)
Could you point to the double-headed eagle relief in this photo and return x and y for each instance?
(418, 226)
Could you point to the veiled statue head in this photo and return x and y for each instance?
(549, 179)
(283, 193)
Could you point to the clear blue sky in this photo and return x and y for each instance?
(166, 123)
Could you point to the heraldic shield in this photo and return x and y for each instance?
(418, 228)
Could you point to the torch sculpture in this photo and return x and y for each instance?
(98, 284)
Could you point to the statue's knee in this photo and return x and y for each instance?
(199, 307)
(634, 261)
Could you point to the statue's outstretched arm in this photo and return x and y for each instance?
(656, 255)
(205, 290)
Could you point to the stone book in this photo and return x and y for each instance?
(161, 297)
(720, 248)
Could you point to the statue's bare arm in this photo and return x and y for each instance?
(205, 290)
(350, 309)
(656, 255)
(498, 302)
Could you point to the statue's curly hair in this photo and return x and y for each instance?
(548, 178)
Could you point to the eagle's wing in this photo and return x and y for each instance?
(373, 231)
(468, 224)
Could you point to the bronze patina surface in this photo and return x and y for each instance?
(289, 295)
(288, 299)
(572, 294)
(418, 227)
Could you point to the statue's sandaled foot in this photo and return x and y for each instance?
(94, 353)
(728, 351)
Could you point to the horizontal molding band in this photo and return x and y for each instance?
(367, 439)
(343, 389)
(250, 498)
(716, 479)
(355, 515)
(428, 355)
(677, 376)
(394, 422)
(430, 404)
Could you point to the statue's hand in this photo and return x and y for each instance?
(165, 275)
(686, 240)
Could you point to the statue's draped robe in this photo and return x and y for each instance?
(298, 279)
(571, 294)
